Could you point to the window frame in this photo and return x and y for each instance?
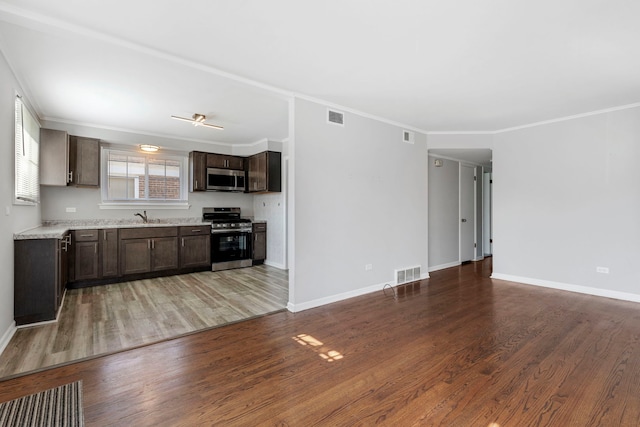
(20, 198)
(129, 150)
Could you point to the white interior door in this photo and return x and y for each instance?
(486, 220)
(467, 213)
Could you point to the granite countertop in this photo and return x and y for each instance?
(57, 229)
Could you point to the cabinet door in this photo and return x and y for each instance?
(36, 284)
(135, 256)
(84, 160)
(258, 172)
(63, 267)
(259, 246)
(195, 251)
(222, 161)
(235, 162)
(197, 171)
(54, 157)
(164, 253)
(216, 161)
(109, 246)
(86, 260)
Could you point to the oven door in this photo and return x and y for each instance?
(230, 246)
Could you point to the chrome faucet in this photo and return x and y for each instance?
(142, 215)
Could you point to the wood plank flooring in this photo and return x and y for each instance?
(110, 318)
(461, 350)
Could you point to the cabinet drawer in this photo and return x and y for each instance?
(147, 233)
(85, 235)
(195, 230)
(259, 227)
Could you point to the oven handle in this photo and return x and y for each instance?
(237, 231)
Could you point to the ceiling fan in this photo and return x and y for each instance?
(198, 120)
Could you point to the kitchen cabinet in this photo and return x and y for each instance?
(197, 171)
(264, 172)
(84, 161)
(109, 250)
(40, 276)
(195, 246)
(223, 161)
(54, 157)
(259, 244)
(85, 254)
(144, 250)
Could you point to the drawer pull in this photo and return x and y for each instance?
(196, 231)
(86, 235)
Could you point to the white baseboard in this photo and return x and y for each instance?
(625, 296)
(275, 265)
(6, 337)
(443, 266)
(425, 276)
(294, 308)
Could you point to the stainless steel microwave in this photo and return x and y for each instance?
(225, 179)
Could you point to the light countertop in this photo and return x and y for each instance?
(57, 229)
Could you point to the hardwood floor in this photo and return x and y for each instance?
(110, 318)
(461, 350)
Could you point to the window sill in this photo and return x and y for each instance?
(126, 205)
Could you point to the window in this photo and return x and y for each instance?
(132, 177)
(27, 144)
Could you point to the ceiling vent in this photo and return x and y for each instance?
(408, 136)
(335, 117)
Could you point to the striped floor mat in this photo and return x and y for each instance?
(57, 407)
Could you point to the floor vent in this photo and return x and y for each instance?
(335, 117)
(407, 275)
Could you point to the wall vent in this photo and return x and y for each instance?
(408, 136)
(407, 275)
(335, 117)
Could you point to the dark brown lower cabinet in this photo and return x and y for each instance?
(109, 248)
(259, 244)
(37, 292)
(144, 250)
(195, 246)
(164, 253)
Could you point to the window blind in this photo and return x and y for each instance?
(27, 151)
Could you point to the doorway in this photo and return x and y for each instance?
(459, 219)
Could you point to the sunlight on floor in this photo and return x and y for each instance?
(327, 355)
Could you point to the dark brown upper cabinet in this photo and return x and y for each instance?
(264, 172)
(84, 161)
(223, 161)
(197, 171)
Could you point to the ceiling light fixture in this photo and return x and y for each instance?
(198, 120)
(149, 148)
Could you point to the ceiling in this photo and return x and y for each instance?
(435, 66)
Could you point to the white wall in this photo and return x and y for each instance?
(20, 217)
(360, 198)
(567, 200)
(271, 208)
(444, 213)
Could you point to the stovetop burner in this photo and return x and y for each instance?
(225, 219)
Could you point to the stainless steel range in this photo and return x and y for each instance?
(230, 238)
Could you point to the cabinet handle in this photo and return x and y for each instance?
(148, 244)
(86, 235)
(196, 186)
(196, 231)
(183, 242)
(71, 176)
(95, 248)
(153, 244)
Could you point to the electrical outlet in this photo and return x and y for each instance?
(368, 267)
(603, 270)
(71, 209)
